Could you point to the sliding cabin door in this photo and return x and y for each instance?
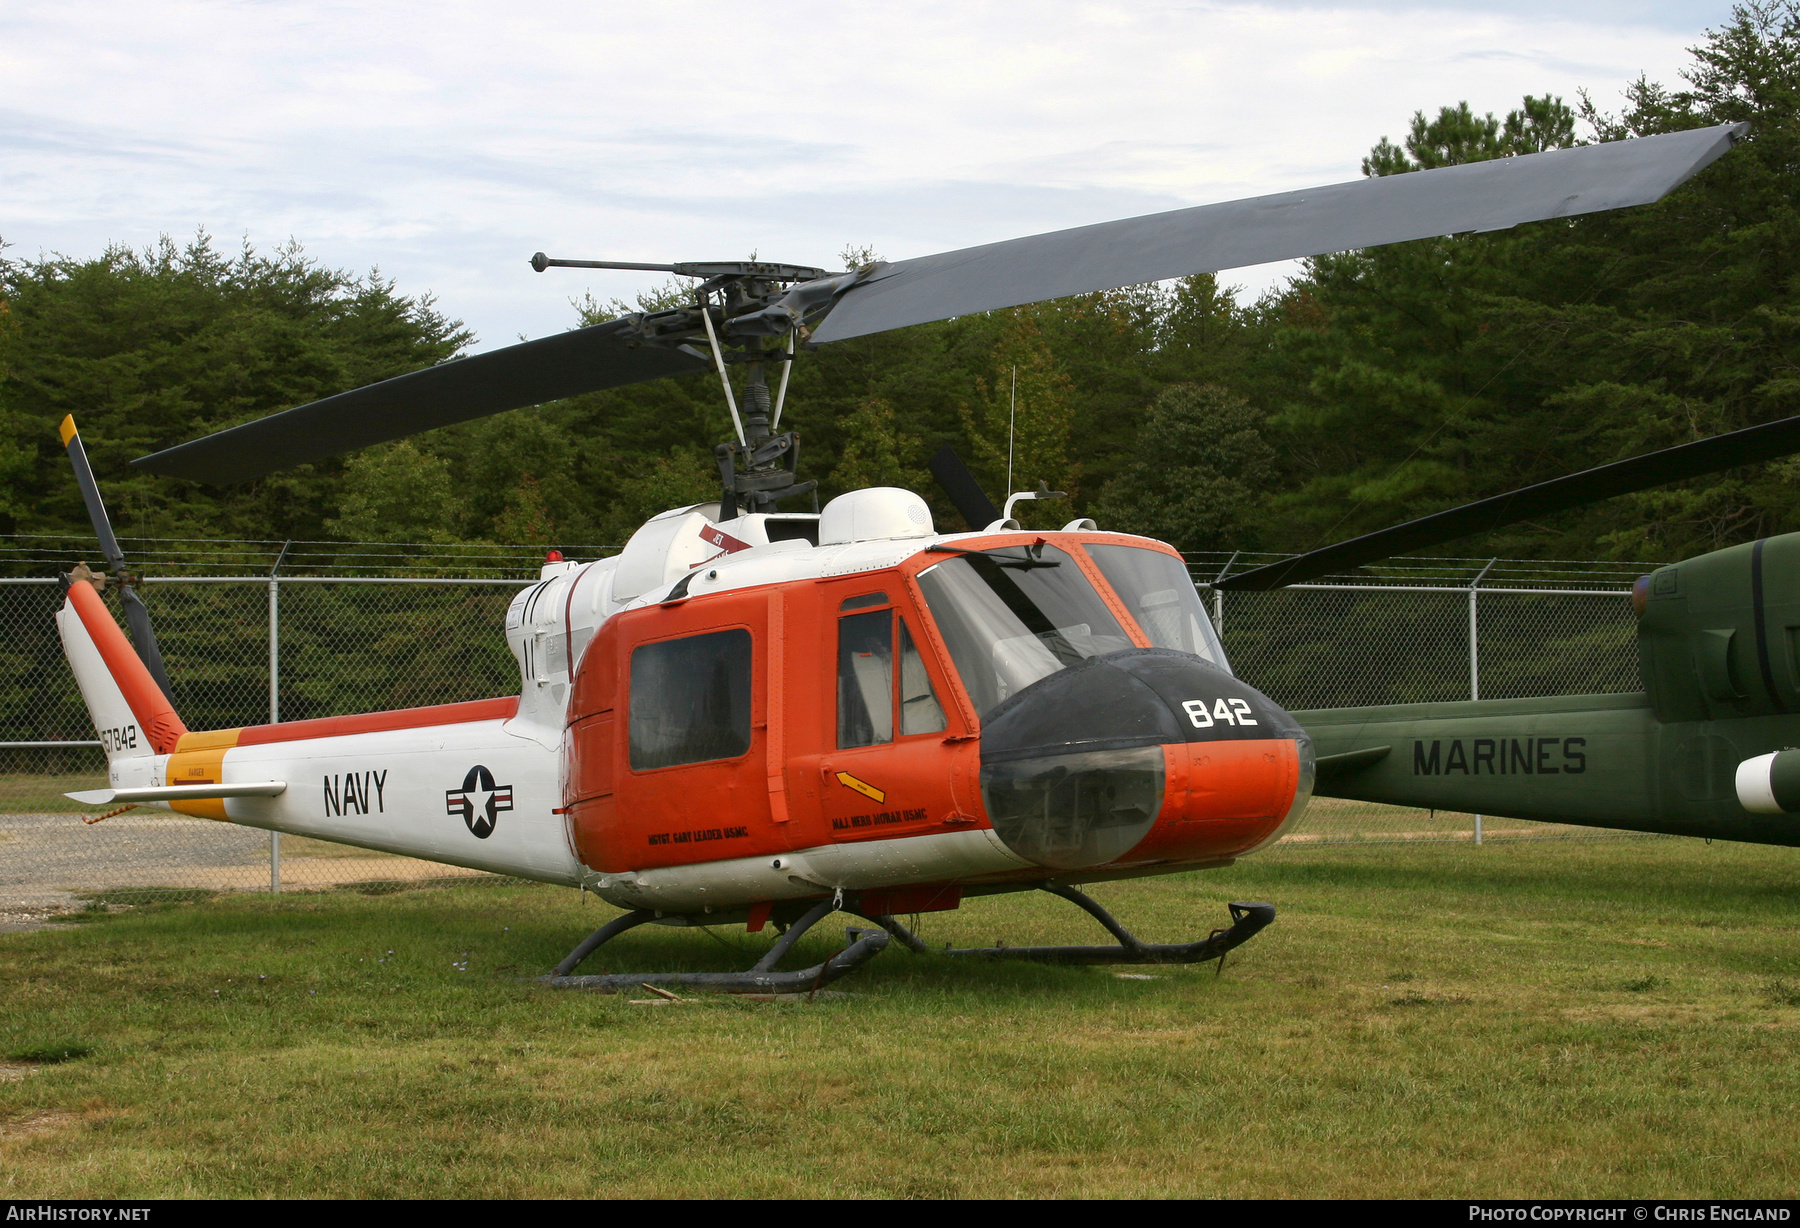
(690, 736)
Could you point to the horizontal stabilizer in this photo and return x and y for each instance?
(177, 793)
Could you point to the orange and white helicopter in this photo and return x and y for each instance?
(752, 715)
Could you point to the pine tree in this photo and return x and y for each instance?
(1022, 413)
(1196, 479)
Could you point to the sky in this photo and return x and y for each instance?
(445, 143)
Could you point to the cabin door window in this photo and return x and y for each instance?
(690, 700)
(865, 679)
(920, 711)
(872, 696)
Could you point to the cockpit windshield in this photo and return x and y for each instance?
(1015, 614)
(1157, 590)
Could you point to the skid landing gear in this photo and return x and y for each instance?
(1247, 920)
(863, 945)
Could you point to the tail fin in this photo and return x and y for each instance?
(132, 715)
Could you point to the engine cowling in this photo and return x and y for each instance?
(1717, 634)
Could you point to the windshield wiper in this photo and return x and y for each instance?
(1028, 563)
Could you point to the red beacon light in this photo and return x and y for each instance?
(555, 556)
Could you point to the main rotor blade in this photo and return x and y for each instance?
(1688, 460)
(137, 617)
(964, 491)
(584, 360)
(1491, 195)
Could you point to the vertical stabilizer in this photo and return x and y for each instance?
(129, 710)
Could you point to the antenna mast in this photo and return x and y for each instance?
(1012, 414)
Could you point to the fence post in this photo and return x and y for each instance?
(1219, 597)
(275, 697)
(1475, 652)
(1474, 647)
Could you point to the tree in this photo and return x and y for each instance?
(1381, 385)
(1457, 136)
(1435, 372)
(877, 451)
(150, 348)
(1197, 476)
(1019, 420)
(680, 477)
(394, 492)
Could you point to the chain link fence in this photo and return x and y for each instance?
(1424, 630)
(260, 631)
(301, 630)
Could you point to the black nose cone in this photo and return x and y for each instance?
(1140, 697)
(1072, 770)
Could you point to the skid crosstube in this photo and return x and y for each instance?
(862, 946)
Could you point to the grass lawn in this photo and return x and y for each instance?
(1579, 1020)
(39, 793)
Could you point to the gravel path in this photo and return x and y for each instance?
(46, 860)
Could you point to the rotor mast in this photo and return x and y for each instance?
(748, 313)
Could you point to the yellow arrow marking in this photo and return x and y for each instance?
(861, 786)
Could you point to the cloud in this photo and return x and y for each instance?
(447, 142)
(1677, 16)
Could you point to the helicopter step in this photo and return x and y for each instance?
(1247, 920)
(862, 945)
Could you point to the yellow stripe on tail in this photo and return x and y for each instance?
(199, 759)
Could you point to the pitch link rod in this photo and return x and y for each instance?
(781, 392)
(719, 362)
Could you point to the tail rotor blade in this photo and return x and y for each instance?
(90, 495)
(137, 616)
(964, 491)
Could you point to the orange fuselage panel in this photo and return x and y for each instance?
(795, 788)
